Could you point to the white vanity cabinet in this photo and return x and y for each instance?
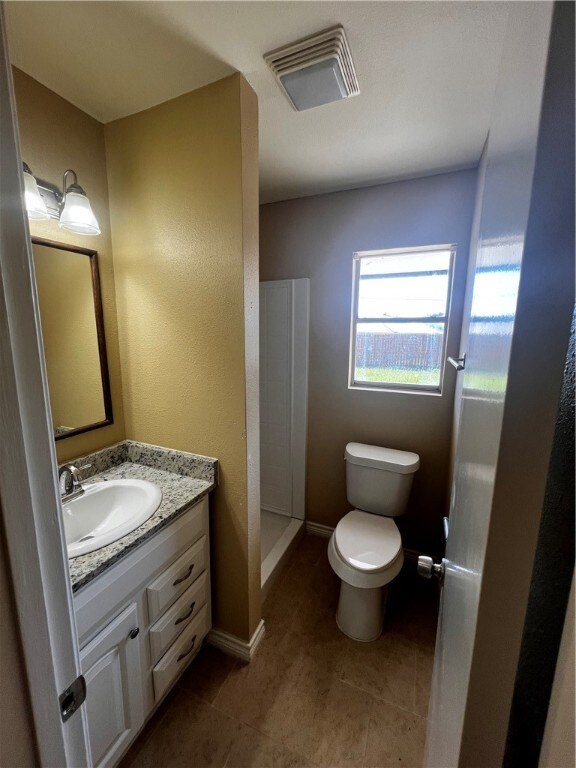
(111, 665)
(139, 624)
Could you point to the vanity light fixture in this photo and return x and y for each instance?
(35, 206)
(76, 214)
(71, 207)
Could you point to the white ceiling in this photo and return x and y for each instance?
(427, 73)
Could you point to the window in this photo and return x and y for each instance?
(399, 318)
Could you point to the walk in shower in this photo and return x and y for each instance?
(284, 321)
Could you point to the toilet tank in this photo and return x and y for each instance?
(379, 480)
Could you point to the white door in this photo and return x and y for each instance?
(519, 322)
(29, 499)
(284, 307)
(111, 666)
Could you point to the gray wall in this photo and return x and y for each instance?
(316, 237)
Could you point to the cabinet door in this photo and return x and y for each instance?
(112, 670)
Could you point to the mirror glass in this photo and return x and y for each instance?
(68, 286)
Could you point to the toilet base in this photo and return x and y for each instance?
(360, 613)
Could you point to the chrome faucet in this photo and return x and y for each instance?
(70, 482)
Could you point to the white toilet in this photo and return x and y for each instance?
(365, 549)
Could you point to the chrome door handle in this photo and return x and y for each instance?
(446, 524)
(428, 568)
(458, 362)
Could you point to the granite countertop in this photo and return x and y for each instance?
(179, 492)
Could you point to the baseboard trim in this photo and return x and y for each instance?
(235, 646)
(316, 529)
(325, 531)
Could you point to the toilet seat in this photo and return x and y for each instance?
(365, 550)
(367, 542)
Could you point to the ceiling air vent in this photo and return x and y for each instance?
(315, 70)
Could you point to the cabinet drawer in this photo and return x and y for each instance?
(183, 651)
(175, 580)
(177, 618)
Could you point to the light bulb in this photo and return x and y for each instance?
(77, 215)
(35, 206)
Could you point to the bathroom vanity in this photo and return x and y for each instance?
(142, 604)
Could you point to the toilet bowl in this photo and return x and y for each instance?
(365, 549)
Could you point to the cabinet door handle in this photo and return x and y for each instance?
(183, 618)
(183, 578)
(186, 653)
(133, 634)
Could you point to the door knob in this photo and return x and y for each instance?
(428, 568)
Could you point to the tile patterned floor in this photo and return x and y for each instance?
(311, 697)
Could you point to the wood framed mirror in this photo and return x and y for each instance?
(68, 285)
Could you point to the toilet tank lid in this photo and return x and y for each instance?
(403, 462)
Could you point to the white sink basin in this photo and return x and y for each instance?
(106, 512)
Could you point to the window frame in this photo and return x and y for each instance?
(378, 386)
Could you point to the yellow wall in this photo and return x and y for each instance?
(182, 291)
(54, 136)
(183, 200)
(251, 239)
(65, 295)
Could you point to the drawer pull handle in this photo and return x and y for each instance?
(183, 578)
(183, 618)
(183, 655)
(133, 634)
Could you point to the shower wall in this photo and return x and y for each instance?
(283, 395)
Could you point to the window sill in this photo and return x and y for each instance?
(397, 390)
